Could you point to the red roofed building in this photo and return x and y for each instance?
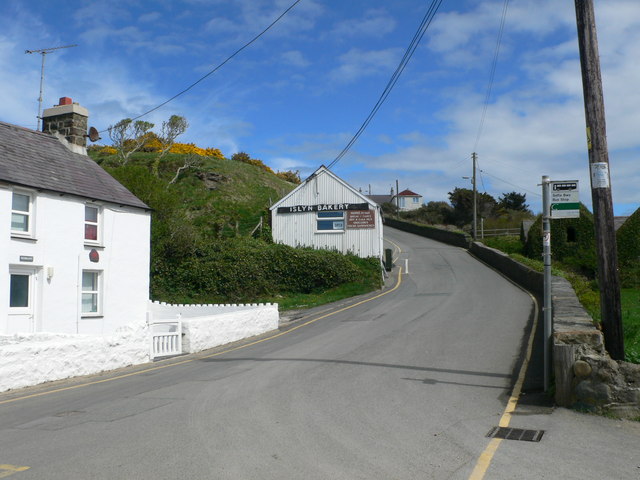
(407, 200)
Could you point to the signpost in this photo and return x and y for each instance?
(560, 199)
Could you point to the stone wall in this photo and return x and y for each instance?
(585, 376)
(457, 239)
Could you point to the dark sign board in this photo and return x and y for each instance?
(361, 219)
(324, 207)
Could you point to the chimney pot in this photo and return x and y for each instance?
(65, 101)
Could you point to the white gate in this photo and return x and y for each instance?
(166, 337)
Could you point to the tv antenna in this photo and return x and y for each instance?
(43, 52)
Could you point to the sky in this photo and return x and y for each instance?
(297, 95)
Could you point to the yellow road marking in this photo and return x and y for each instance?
(8, 470)
(398, 248)
(484, 461)
(160, 367)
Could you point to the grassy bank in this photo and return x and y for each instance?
(587, 292)
(630, 298)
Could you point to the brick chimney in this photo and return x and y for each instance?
(69, 119)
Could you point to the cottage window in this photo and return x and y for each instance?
(91, 224)
(416, 200)
(91, 292)
(330, 221)
(21, 214)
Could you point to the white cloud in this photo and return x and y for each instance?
(357, 63)
(295, 58)
(376, 22)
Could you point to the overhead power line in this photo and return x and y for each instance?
(219, 66)
(422, 28)
(512, 184)
(491, 74)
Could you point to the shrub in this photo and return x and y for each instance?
(629, 251)
(243, 270)
(572, 242)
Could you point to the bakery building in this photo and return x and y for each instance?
(324, 212)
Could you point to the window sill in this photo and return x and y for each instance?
(29, 238)
(91, 316)
(93, 245)
(330, 231)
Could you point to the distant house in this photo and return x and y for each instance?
(381, 199)
(404, 201)
(407, 200)
(74, 243)
(325, 212)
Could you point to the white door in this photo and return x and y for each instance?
(22, 299)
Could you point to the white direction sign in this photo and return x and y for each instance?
(565, 199)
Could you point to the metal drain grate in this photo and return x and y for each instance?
(516, 434)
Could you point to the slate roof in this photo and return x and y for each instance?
(39, 160)
(618, 222)
(380, 199)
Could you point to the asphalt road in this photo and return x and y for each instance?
(400, 384)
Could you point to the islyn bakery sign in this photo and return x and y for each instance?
(324, 207)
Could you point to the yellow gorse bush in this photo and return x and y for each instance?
(186, 148)
(154, 145)
(108, 150)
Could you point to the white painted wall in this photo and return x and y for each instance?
(208, 326)
(31, 359)
(58, 247)
(408, 202)
(299, 229)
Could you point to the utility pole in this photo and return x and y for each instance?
(474, 156)
(43, 52)
(397, 201)
(608, 277)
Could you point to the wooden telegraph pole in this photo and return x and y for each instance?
(608, 278)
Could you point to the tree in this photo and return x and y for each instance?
(191, 160)
(290, 176)
(438, 213)
(513, 201)
(461, 200)
(241, 157)
(171, 129)
(128, 136)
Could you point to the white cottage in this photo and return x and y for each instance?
(407, 201)
(325, 212)
(74, 243)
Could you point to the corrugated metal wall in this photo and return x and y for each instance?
(299, 229)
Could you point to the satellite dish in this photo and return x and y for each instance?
(94, 136)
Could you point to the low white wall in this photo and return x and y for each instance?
(30, 359)
(208, 326)
(209, 332)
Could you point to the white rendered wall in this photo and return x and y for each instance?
(58, 249)
(208, 326)
(31, 359)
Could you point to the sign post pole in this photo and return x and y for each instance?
(546, 254)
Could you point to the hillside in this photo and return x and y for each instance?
(217, 195)
(202, 247)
